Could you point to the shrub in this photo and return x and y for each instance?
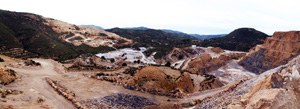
(1, 60)
(180, 57)
(140, 84)
(112, 60)
(124, 64)
(168, 64)
(100, 74)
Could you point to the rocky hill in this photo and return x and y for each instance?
(277, 50)
(241, 39)
(51, 38)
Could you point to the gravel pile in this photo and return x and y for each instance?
(119, 101)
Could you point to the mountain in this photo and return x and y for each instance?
(241, 39)
(137, 28)
(30, 35)
(162, 42)
(95, 26)
(203, 37)
(173, 31)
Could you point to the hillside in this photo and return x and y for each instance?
(241, 39)
(163, 42)
(50, 38)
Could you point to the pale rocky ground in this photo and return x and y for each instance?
(232, 72)
(34, 86)
(130, 55)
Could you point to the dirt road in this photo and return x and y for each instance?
(32, 82)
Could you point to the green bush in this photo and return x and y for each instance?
(1, 60)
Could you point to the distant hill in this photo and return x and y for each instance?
(137, 28)
(162, 42)
(174, 31)
(95, 26)
(33, 35)
(241, 39)
(203, 37)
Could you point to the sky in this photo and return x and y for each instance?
(189, 16)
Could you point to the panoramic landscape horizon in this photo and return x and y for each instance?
(136, 54)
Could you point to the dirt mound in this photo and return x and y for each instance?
(120, 100)
(153, 78)
(90, 61)
(276, 50)
(217, 50)
(7, 76)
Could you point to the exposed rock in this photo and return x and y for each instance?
(153, 80)
(78, 35)
(31, 63)
(273, 99)
(210, 82)
(271, 81)
(7, 76)
(207, 63)
(217, 50)
(89, 61)
(276, 90)
(276, 50)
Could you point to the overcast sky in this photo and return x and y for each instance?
(190, 16)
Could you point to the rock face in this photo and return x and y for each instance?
(276, 50)
(207, 63)
(276, 90)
